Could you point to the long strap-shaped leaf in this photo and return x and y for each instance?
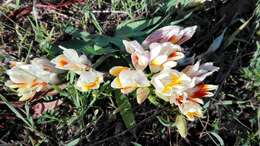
(125, 109)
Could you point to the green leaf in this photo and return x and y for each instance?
(153, 100)
(97, 50)
(16, 112)
(125, 109)
(76, 33)
(182, 19)
(76, 44)
(134, 28)
(232, 37)
(181, 125)
(165, 122)
(87, 47)
(220, 140)
(73, 142)
(136, 144)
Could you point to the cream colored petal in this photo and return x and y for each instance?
(40, 73)
(159, 60)
(168, 49)
(44, 63)
(16, 64)
(155, 68)
(155, 50)
(127, 78)
(133, 78)
(133, 47)
(83, 59)
(140, 61)
(191, 110)
(89, 80)
(141, 79)
(169, 64)
(169, 81)
(191, 69)
(18, 75)
(26, 94)
(60, 61)
(142, 94)
(128, 90)
(163, 97)
(71, 54)
(116, 83)
(176, 56)
(187, 33)
(163, 34)
(115, 71)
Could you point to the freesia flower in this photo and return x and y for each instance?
(191, 110)
(89, 80)
(164, 56)
(174, 34)
(196, 93)
(140, 57)
(198, 72)
(70, 60)
(45, 64)
(128, 80)
(169, 82)
(29, 79)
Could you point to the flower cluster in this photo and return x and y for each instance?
(41, 73)
(160, 51)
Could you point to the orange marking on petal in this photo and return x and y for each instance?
(174, 39)
(173, 54)
(91, 85)
(201, 91)
(179, 100)
(62, 62)
(43, 84)
(135, 57)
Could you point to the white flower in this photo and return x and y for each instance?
(29, 79)
(128, 80)
(169, 82)
(191, 110)
(164, 56)
(196, 93)
(89, 80)
(199, 72)
(45, 64)
(174, 34)
(140, 57)
(70, 60)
